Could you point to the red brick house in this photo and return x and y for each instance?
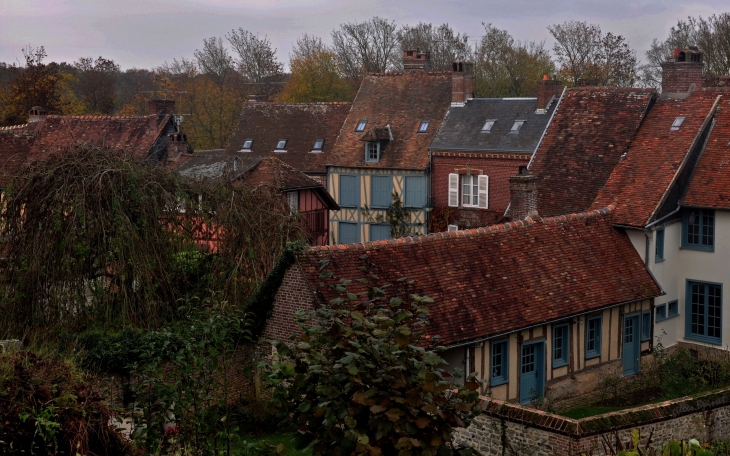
(480, 144)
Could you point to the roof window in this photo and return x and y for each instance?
(318, 145)
(247, 144)
(487, 127)
(516, 126)
(361, 125)
(281, 146)
(423, 126)
(677, 123)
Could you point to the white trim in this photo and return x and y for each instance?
(453, 228)
(483, 191)
(453, 190)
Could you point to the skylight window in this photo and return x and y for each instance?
(516, 126)
(281, 145)
(487, 127)
(361, 125)
(318, 145)
(423, 126)
(677, 123)
(247, 144)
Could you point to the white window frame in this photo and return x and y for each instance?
(368, 145)
(456, 191)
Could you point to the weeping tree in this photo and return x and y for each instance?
(95, 237)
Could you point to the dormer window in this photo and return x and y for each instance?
(487, 127)
(516, 126)
(318, 145)
(247, 144)
(361, 124)
(281, 146)
(372, 151)
(677, 123)
(423, 126)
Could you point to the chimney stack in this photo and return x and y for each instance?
(177, 144)
(522, 194)
(546, 90)
(682, 72)
(415, 60)
(462, 82)
(162, 107)
(37, 114)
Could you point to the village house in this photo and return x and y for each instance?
(382, 149)
(481, 143)
(522, 304)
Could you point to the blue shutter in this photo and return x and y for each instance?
(415, 191)
(645, 326)
(381, 191)
(379, 232)
(349, 194)
(348, 233)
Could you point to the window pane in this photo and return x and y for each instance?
(698, 309)
(714, 323)
(673, 308)
(661, 312)
(659, 250)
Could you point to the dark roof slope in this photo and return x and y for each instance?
(643, 178)
(299, 123)
(401, 101)
(589, 132)
(489, 281)
(461, 129)
(214, 164)
(710, 185)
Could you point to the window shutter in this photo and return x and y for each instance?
(483, 191)
(415, 191)
(453, 190)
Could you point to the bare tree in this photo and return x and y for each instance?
(585, 55)
(214, 60)
(441, 42)
(307, 46)
(367, 47)
(256, 59)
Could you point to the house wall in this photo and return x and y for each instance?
(293, 295)
(355, 214)
(310, 206)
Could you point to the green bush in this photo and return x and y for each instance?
(260, 416)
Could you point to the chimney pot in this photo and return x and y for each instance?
(415, 60)
(545, 77)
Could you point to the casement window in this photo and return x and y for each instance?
(348, 233)
(292, 198)
(415, 191)
(499, 357)
(381, 191)
(668, 310)
(703, 316)
(593, 337)
(380, 232)
(659, 247)
(645, 325)
(372, 151)
(698, 229)
(561, 344)
(472, 190)
(349, 191)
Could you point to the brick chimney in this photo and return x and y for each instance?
(682, 70)
(546, 90)
(415, 60)
(258, 98)
(177, 144)
(36, 114)
(162, 107)
(462, 82)
(522, 194)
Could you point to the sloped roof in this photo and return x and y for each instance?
(590, 131)
(710, 185)
(490, 281)
(299, 123)
(462, 127)
(213, 164)
(401, 101)
(643, 178)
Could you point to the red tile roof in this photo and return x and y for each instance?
(591, 129)
(710, 185)
(299, 123)
(489, 281)
(402, 101)
(642, 180)
(15, 145)
(274, 172)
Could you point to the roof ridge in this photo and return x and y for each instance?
(507, 226)
(97, 117)
(401, 73)
(612, 89)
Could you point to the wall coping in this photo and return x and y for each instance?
(607, 422)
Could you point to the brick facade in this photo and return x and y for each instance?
(293, 295)
(499, 167)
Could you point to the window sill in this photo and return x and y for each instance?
(497, 382)
(559, 364)
(245, 150)
(658, 260)
(592, 355)
(707, 340)
(280, 151)
(316, 151)
(697, 247)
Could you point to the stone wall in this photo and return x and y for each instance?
(505, 428)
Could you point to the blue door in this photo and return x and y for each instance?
(631, 344)
(532, 371)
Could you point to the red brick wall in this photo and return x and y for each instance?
(499, 167)
(678, 76)
(293, 295)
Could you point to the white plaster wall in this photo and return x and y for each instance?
(667, 272)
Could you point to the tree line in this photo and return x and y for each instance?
(212, 85)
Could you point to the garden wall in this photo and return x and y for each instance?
(507, 429)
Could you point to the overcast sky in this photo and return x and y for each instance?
(145, 33)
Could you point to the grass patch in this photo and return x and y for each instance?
(274, 439)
